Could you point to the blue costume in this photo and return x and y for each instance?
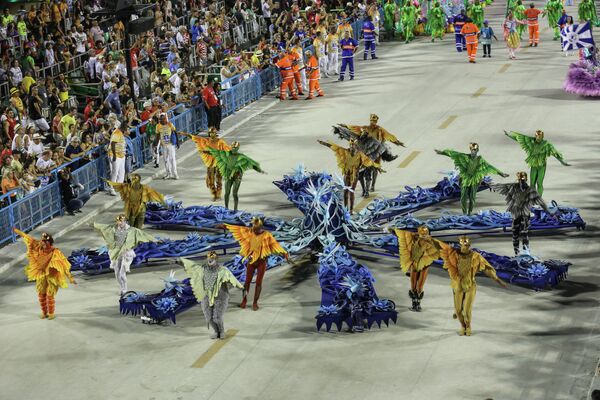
(348, 45)
(369, 36)
(459, 21)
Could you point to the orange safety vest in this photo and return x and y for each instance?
(285, 67)
(470, 31)
(295, 59)
(312, 68)
(532, 16)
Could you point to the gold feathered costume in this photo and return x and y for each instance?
(350, 164)
(374, 131)
(214, 179)
(256, 247)
(135, 196)
(50, 270)
(417, 252)
(462, 268)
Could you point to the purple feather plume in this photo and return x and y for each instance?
(583, 79)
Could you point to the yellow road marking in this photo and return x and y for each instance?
(479, 92)
(409, 159)
(448, 121)
(364, 202)
(504, 68)
(214, 349)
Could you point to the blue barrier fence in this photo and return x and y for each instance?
(46, 203)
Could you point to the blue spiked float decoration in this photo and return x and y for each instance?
(348, 295)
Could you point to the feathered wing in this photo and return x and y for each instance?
(32, 244)
(450, 257)
(59, 269)
(505, 189)
(461, 160)
(340, 155)
(483, 168)
(243, 236)
(405, 243)
(107, 233)
(244, 163)
(138, 236)
(226, 276)
(203, 144)
(122, 188)
(270, 246)
(367, 162)
(194, 271)
(151, 195)
(387, 135)
(373, 148)
(479, 263)
(526, 142)
(220, 157)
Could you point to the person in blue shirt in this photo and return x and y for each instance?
(112, 101)
(369, 37)
(459, 22)
(349, 46)
(197, 31)
(486, 35)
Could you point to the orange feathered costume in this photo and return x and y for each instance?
(49, 268)
(214, 180)
(256, 247)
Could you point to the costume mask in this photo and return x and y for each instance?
(465, 244)
(539, 136)
(423, 232)
(474, 147)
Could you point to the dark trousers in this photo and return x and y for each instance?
(78, 202)
(487, 49)
(214, 117)
(347, 62)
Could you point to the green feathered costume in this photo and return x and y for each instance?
(437, 21)
(519, 14)
(476, 13)
(587, 12)
(232, 165)
(471, 170)
(554, 10)
(389, 12)
(537, 154)
(409, 20)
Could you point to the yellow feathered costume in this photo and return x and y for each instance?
(416, 253)
(255, 246)
(135, 199)
(350, 164)
(203, 143)
(462, 268)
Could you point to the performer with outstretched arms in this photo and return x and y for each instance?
(135, 196)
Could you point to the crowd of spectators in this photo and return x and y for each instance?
(175, 65)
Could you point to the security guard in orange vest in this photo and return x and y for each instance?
(314, 74)
(287, 76)
(471, 32)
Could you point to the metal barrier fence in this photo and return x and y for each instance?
(45, 203)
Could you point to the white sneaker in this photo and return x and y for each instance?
(176, 177)
(167, 177)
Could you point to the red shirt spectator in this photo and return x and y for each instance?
(209, 96)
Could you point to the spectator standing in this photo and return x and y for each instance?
(35, 110)
(212, 104)
(112, 101)
(116, 155)
(36, 147)
(67, 124)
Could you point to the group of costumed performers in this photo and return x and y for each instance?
(370, 140)
(419, 250)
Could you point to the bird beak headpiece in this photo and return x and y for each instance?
(212, 132)
(474, 146)
(522, 176)
(539, 134)
(423, 230)
(121, 218)
(212, 255)
(235, 145)
(374, 118)
(135, 177)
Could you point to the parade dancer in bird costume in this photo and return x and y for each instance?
(462, 265)
(210, 283)
(472, 168)
(351, 162)
(553, 11)
(520, 197)
(437, 22)
(538, 151)
(256, 245)
(135, 196)
(232, 164)
(214, 179)
(417, 252)
(48, 267)
(371, 141)
(120, 240)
